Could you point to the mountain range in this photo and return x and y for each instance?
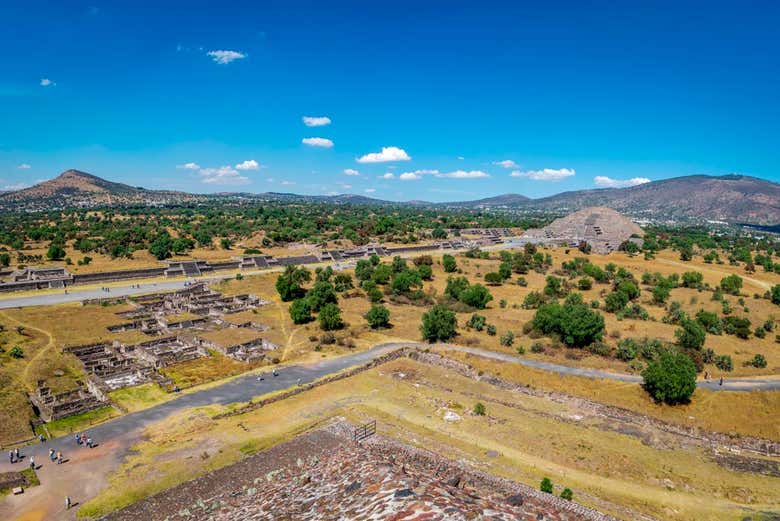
(732, 198)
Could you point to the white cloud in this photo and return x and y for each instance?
(457, 174)
(287, 183)
(316, 121)
(387, 154)
(317, 142)
(370, 190)
(345, 186)
(249, 164)
(388, 175)
(189, 166)
(506, 163)
(24, 166)
(46, 82)
(224, 175)
(463, 174)
(546, 174)
(608, 182)
(351, 171)
(461, 158)
(224, 57)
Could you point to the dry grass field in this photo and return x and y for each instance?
(521, 437)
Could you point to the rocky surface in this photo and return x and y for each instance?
(324, 475)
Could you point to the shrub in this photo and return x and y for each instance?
(546, 486)
(690, 335)
(724, 363)
(507, 339)
(330, 317)
(479, 409)
(476, 322)
(567, 494)
(585, 283)
(438, 324)
(533, 300)
(692, 279)
(494, 278)
(738, 326)
(759, 361)
(300, 311)
(626, 350)
(448, 263)
(520, 350)
(328, 339)
(16, 352)
(378, 317)
(521, 281)
(491, 330)
(537, 347)
(710, 322)
(615, 301)
(502, 303)
(671, 378)
(455, 286)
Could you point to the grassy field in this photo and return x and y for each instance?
(77, 422)
(532, 437)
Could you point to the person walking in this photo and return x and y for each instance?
(52, 455)
(16, 454)
(11, 457)
(59, 458)
(32, 463)
(89, 442)
(67, 502)
(78, 439)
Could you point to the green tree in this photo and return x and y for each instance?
(320, 294)
(615, 301)
(574, 321)
(479, 409)
(16, 352)
(546, 486)
(775, 294)
(455, 286)
(449, 264)
(425, 271)
(670, 378)
(731, 284)
(343, 282)
(300, 311)
(288, 284)
(567, 493)
(399, 264)
(55, 251)
(161, 246)
(476, 296)
(438, 324)
(382, 274)
(5, 260)
(690, 335)
(330, 317)
(378, 317)
(363, 269)
(661, 294)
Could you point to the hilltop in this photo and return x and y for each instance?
(732, 198)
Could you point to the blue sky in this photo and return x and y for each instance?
(467, 99)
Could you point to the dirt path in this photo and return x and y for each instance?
(23, 377)
(760, 283)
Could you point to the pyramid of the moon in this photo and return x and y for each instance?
(603, 228)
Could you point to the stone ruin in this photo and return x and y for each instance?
(162, 352)
(198, 299)
(250, 351)
(37, 278)
(55, 406)
(111, 366)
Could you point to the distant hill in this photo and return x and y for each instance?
(732, 198)
(76, 188)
